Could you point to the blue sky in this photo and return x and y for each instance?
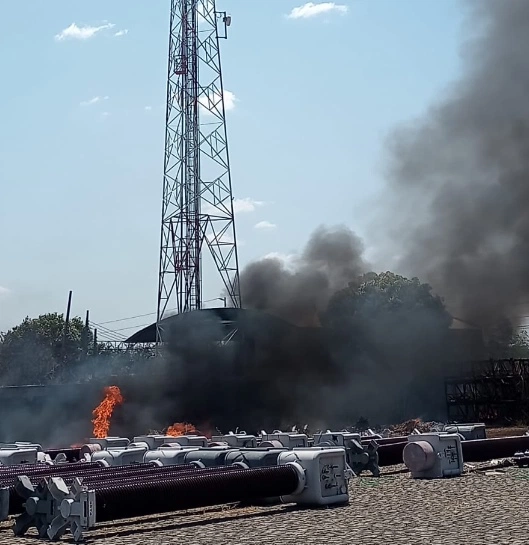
(82, 132)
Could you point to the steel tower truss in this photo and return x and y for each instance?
(197, 197)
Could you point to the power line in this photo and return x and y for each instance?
(152, 314)
(130, 318)
(131, 327)
(113, 334)
(104, 331)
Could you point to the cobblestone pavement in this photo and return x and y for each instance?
(478, 508)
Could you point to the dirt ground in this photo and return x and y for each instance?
(506, 432)
(479, 508)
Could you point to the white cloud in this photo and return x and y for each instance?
(265, 226)
(123, 32)
(75, 32)
(245, 205)
(226, 238)
(288, 260)
(148, 108)
(229, 100)
(310, 9)
(4, 291)
(93, 100)
(105, 114)
(210, 102)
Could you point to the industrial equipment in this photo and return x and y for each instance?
(433, 455)
(310, 477)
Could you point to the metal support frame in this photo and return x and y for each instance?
(197, 203)
(497, 391)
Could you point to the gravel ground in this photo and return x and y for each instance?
(481, 507)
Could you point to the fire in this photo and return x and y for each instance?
(103, 412)
(180, 428)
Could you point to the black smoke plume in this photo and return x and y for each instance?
(298, 292)
(458, 192)
(459, 175)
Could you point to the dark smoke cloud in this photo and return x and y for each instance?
(300, 290)
(459, 176)
(458, 193)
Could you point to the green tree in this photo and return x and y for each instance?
(504, 340)
(383, 297)
(519, 345)
(393, 332)
(38, 351)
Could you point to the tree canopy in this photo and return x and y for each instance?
(506, 341)
(393, 334)
(382, 297)
(381, 321)
(38, 349)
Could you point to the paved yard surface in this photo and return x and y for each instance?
(476, 509)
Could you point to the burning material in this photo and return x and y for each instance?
(180, 428)
(103, 412)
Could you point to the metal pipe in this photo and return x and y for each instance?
(191, 491)
(475, 450)
(384, 440)
(72, 454)
(391, 454)
(481, 450)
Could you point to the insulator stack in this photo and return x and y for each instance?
(105, 476)
(191, 491)
(59, 471)
(45, 469)
(158, 476)
(151, 475)
(311, 477)
(92, 472)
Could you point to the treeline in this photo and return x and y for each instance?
(379, 315)
(46, 350)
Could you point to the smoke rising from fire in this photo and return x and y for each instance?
(299, 290)
(459, 176)
(456, 193)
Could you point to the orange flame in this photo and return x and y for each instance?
(180, 428)
(103, 412)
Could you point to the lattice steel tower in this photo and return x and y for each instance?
(197, 197)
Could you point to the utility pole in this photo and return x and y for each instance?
(96, 348)
(86, 333)
(66, 325)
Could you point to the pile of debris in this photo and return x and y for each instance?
(408, 427)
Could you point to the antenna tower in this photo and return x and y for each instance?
(197, 204)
